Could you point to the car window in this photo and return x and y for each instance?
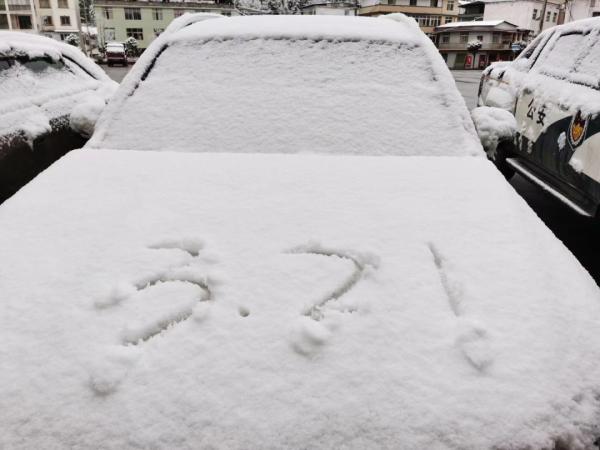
(531, 48)
(559, 58)
(588, 67)
(21, 79)
(291, 96)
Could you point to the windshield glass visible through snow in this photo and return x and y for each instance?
(290, 96)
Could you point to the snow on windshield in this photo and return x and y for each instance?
(291, 96)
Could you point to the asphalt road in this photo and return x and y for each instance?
(117, 73)
(580, 235)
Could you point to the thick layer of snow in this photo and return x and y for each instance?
(471, 24)
(290, 84)
(493, 126)
(289, 301)
(52, 80)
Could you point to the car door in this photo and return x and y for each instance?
(550, 125)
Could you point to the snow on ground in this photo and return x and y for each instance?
(289, 301)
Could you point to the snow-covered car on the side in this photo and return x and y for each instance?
(50, 97)
(285, 234)
(540, 114)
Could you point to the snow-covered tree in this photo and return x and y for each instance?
(131, 46)
(86, 12)
(72, 39)
(269, 6)
(474, 46)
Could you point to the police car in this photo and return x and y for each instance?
(552, 90)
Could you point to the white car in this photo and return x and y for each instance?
(50, 97)
(285, 234)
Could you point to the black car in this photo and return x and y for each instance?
(50, 94)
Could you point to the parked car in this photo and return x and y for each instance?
(116, 54)
(552, 90)
(284, 233)
(50, 97)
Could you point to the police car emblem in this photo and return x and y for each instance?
(577, 129)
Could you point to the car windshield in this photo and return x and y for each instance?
(290, 96)
(26, 78)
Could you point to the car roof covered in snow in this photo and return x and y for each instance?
(13, 43)
(394, 83)
(181, 300)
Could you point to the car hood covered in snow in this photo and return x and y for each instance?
(164, 300)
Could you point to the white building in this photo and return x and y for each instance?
(18, 15)
(525, 14)
(494, 38)
(57, 18)
(331, 7)
(581, 9)
(52, 18)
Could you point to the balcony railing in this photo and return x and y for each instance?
(463, 46)
(19, 5)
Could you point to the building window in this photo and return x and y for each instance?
(178, 12)
(108, 13)
(47, 21)
(158, 31)
(433, 3)
(554, 17)
(445, 38)
(450, 5)
(592, 3)
(413, 2)
(133, 14)
(448, 19)
(65, 20)
(480, 38)
(3, 22)
(109, 34)
(464, 37)
(534, 17)
(496, 38)
(434, 21)
(45, 4)
(24, 23)
(63, 4)
(136, 33)
(548, 16)
(157, 14)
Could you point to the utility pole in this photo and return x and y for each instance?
(543, 15)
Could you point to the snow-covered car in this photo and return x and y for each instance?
(50, 97)
(285, 234)
(541, 114)
(116, 54)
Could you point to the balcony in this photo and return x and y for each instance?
(462, 46)
(19, 5)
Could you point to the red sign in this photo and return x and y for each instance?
(469, 61)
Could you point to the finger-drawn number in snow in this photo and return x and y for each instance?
(136, 332)
(360, 264)
(310, 333)
(472, 339)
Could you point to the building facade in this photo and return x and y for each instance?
(525, 14)
(455, 42)
(57, 18)
(330, 7)
(428, 13)
(18, 15)
(116, 20)
(581, 9)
